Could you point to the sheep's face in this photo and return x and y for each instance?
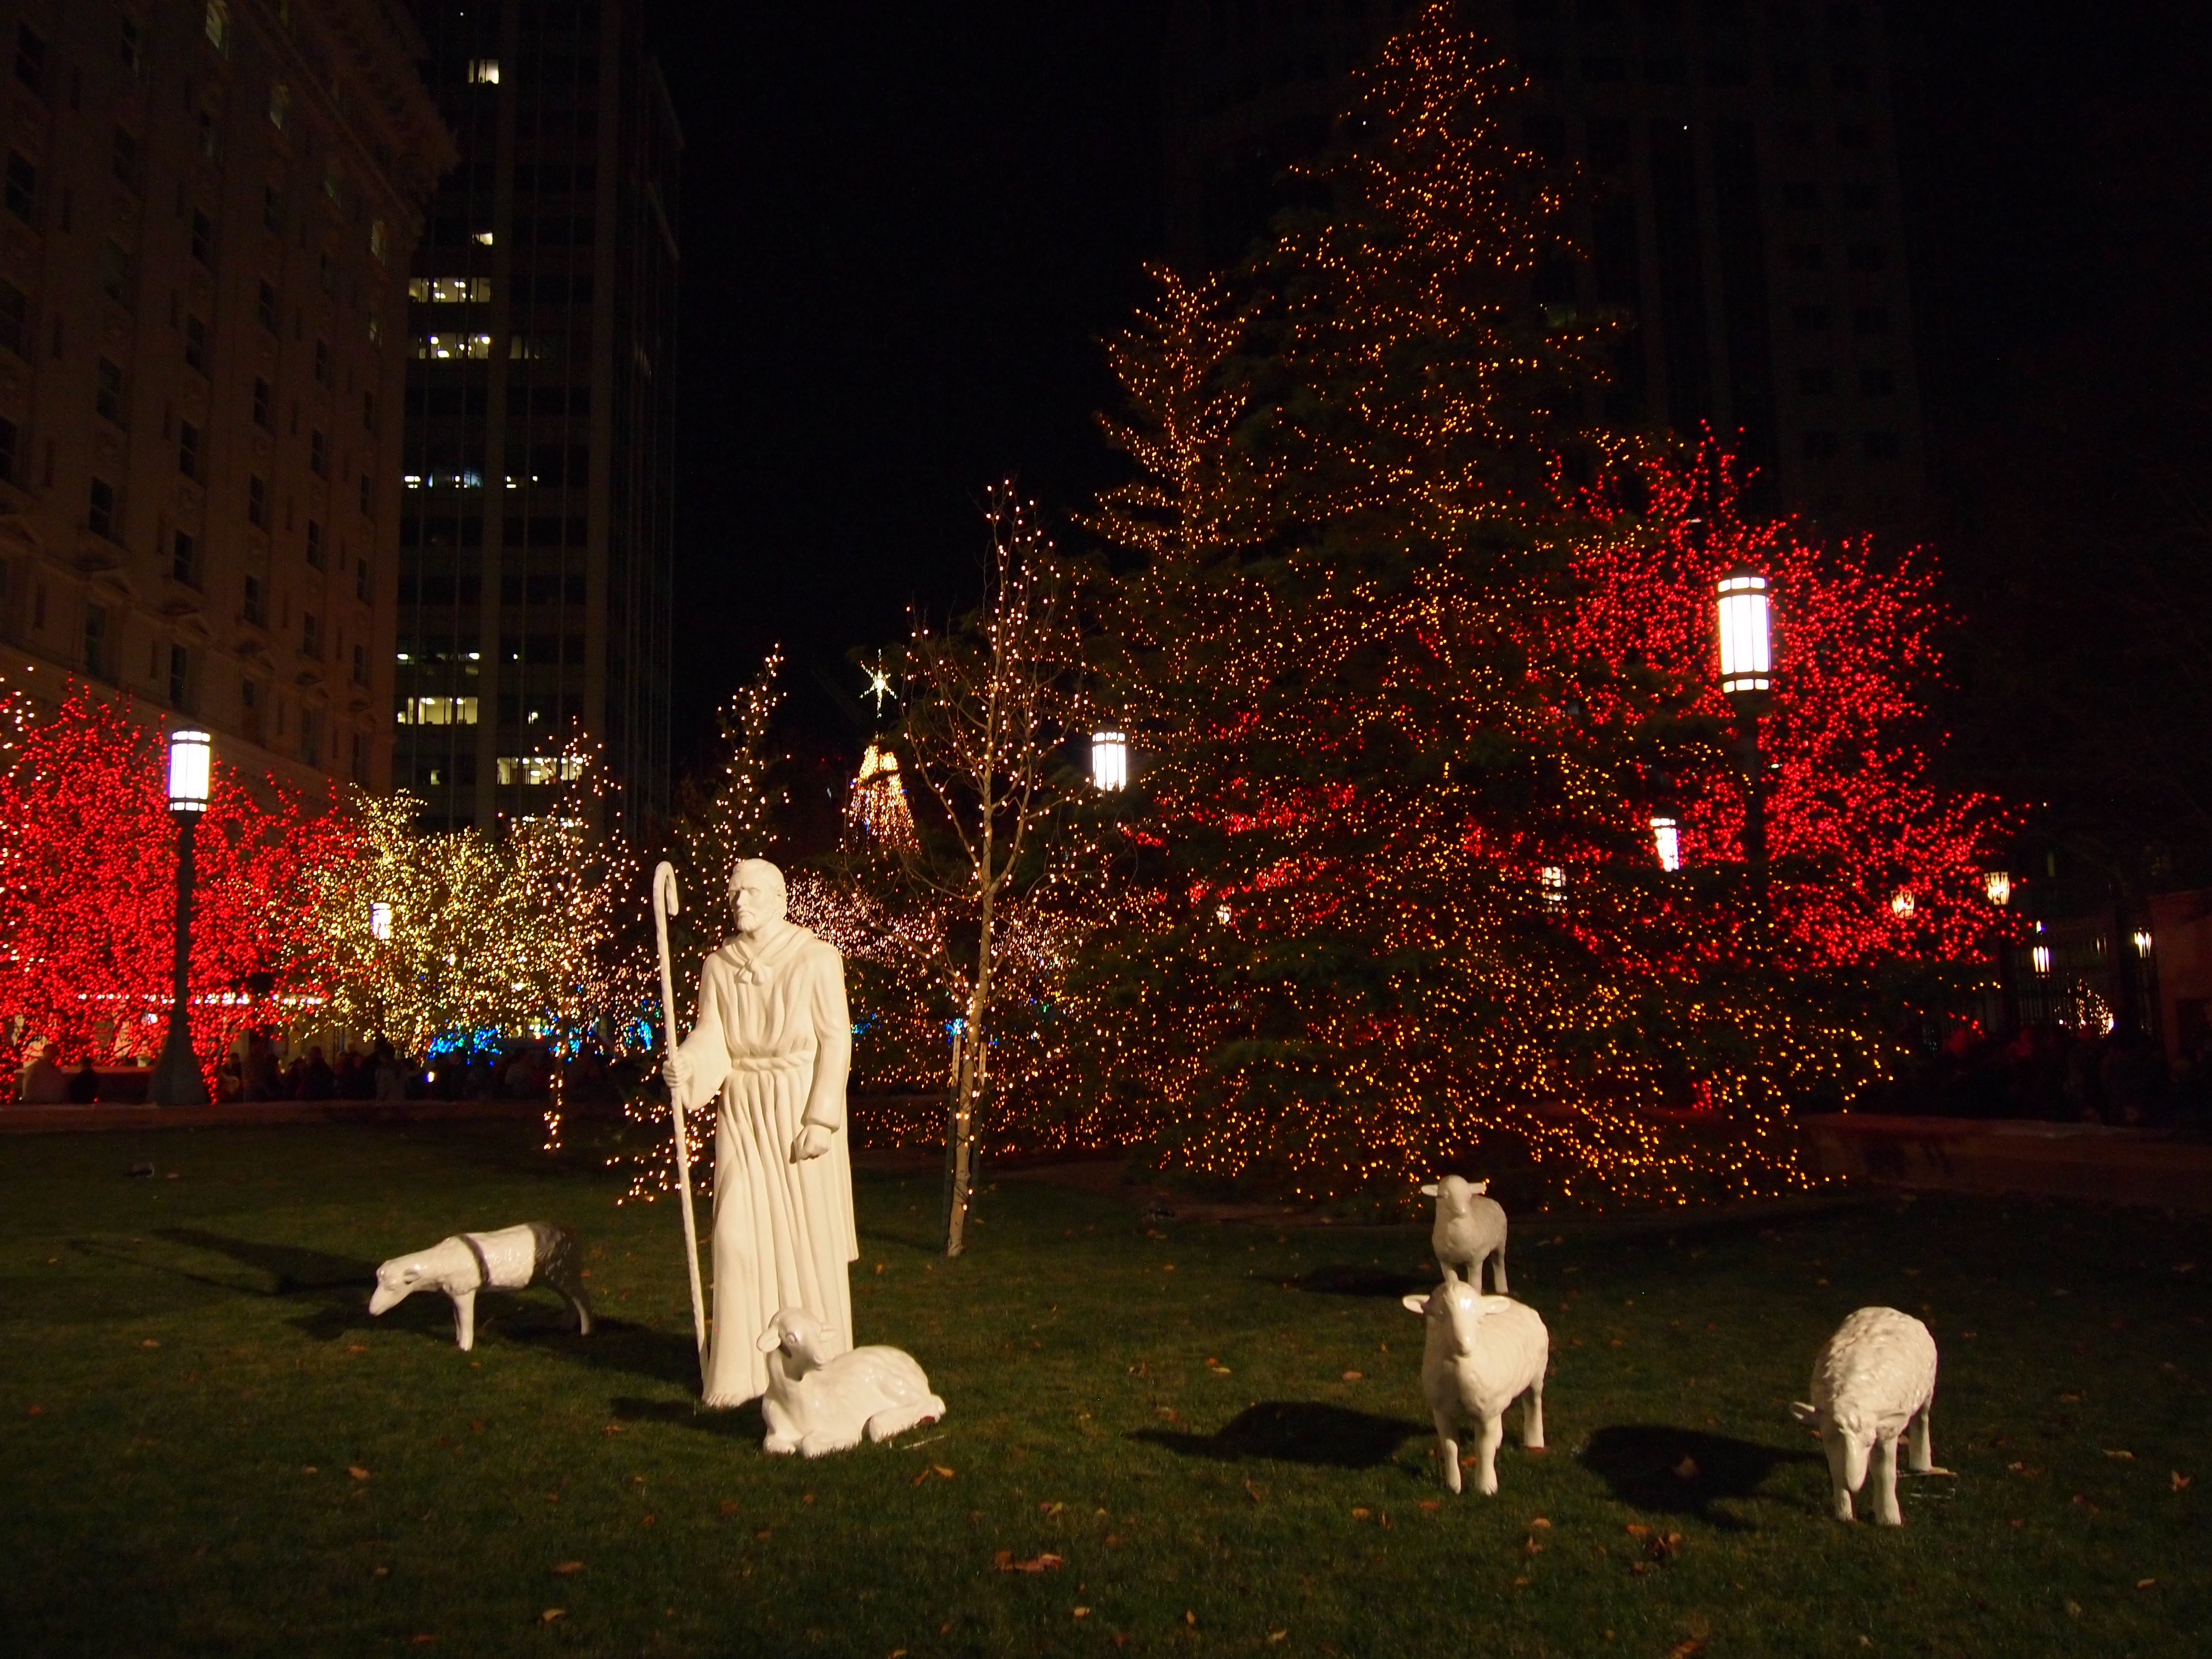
(395, 1283)
(1848, 1442)
(798, 1334)
(1453, 1305)
(1453, 1193)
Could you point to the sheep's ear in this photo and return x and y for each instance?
(1809, 1415)
(770, 1339)
(1479, 1187)
(1429, 1190)
(410, 1273)
(1418, 1304)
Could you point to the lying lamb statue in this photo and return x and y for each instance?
(538, 1252)
(814, 1404)
(1874, 1379)
(1482, 1352)
(1469, 1228)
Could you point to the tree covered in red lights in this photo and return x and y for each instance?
(87, 889)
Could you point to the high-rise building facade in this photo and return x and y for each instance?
(537, 539)
(207, 215)
(1744, 209)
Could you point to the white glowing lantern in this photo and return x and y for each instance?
(1109, 760)
(191, 770)
(1902, 904)
(1747, 655)
(1997, 883)
(2040, 957)
(2143, 941)
(1553, 879)
(1666, 842)
(380, 920)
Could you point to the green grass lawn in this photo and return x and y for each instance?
(207, 1446)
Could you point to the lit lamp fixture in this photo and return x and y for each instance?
(1666, 842)
(2142, 942)
(1997, 883)
(176, 1080)
(1553, 880)
(1747, 641)
(1902, 904)
(2039, 955)
(1109, 761)
(380, 920)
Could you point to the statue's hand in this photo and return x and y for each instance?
(813, 1141)
(676, 1072)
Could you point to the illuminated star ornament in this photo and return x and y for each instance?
(879, 684)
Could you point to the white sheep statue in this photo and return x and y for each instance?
(1470, 1227)
(1481, 1353)
(537, 1252)
(1874, 1379)
(816, 1405)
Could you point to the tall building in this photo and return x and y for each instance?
(206, 218)
(1745, 208)
(537, 531)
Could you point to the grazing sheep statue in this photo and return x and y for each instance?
(1482, 1353)
(1873, 1379)
(814, 1404)
(538, 1252)
(1469, 1228)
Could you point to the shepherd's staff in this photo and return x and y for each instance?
(663, 906)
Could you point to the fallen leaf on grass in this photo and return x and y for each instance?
(1685, 1649)
(1663, 1546)
(1082, 1613)
(2180, 1480)
(1190, 1618)
(1361, 1515)
(1112, 1540)
(1539, 1522)
(380, 1572)
(942, 1471)
(612, 1428)
(1167, 1413)
(1048, 1562)
(356, 1472)
(1050, 1508)
(2122, 1456)
(1636, 1531)
(1687, 1469)
(1352, 1376)
(423, 1640)
(565, 1568)
(1431, 1503)
(151, 1342)
(1278, 1636)
(2145, 1583)
(552, 1614)
(1252, 1492)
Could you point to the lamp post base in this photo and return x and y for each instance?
(177, 1079)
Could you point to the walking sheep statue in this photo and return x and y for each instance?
(537, 1252)
(819, 1401)
(1874, 1380)
(1481, 1353)
(1470, 1227)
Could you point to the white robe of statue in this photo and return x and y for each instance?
(774, 1039)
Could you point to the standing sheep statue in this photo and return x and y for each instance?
(1874, 1379)
(1470, 1227)
(538, 1252)
(1481, 1353)
(818, 1401)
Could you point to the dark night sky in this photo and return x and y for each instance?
(906, 227)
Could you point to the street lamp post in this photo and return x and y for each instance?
(1741, 615)
(177, 1079)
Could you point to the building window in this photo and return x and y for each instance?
(263, 405)
(367, 419)
(318, 455)
(379, 240)
(279, 105)
(315, 543)
(257, 502)
(535, 770)
(107, 391)
(361, 579)
(115, 272)
(1821, 445)
(22, 192)
(96, 640)
(437, 711)
(1882, 446)
(188, 449)
(203, 238)
(100, 517)
(265, 306)
(311, 736)
(361, 664)
(449, 291)
(218, 25)
(323, 373)
(9, 445)
(31, 58)
(444, 348)
(483, 71)
(251, 606)
(181, 677)
(272, 208)
(184, 560)
(334, 183)
(132, 51)
(15, 319)
(195, 342)
(311, 634)
(125, 160)
(360, 757)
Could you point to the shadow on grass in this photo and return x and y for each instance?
(291, 1268)
(740, 1423)
(615, 1344)
(1344, 1280)
(1294, 1431)
(1670, 1471)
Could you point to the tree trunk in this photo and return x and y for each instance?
(968, 1093)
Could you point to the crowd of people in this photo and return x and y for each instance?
(262, 1073)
